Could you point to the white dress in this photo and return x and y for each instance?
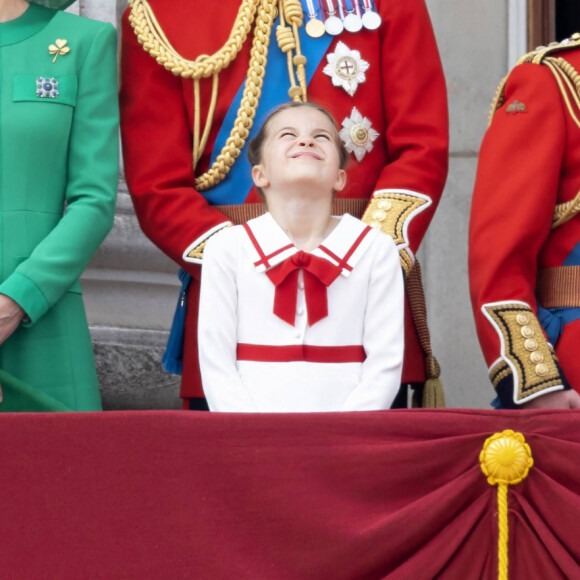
(252, 360)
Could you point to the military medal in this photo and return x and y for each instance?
(332, 24)
(314, 27)
(371, 20)
(352, 20)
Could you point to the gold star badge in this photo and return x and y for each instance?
(59, 47)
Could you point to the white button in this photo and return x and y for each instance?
(299, 311)
(301, 285)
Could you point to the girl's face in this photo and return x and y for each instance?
(300, 149)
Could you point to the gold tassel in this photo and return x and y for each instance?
(433, 395)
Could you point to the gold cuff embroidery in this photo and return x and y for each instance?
(391, 212)
(197, 252)
(526, 352)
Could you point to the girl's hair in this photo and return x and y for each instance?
(256, 144)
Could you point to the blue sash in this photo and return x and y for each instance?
(235, 188)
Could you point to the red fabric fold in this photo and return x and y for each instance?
(318, 275)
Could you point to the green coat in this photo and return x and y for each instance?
(56, 151)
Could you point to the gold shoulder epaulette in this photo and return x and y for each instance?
(537, 56)
(566, 76)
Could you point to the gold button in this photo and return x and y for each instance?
(379, 215)
(522, 318)
(385, 204)
(536, 357)
(575, 36)
(530, 345)
(527, 331)
(376, 225)
(541, 370)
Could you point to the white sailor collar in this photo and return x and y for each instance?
(268, 245)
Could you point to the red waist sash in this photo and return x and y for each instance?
(301, 352)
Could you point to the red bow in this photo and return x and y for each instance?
(318, 275)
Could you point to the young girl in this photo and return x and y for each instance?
(300, 310)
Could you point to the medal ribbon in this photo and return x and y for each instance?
(318, 275)
(310, 8)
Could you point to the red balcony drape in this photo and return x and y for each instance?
(389, 494)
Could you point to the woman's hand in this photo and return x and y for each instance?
(11, 316)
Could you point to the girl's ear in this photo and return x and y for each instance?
(259, 176)
(340, 180)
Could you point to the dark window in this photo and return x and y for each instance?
(567, 18)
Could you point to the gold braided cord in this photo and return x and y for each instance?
(561, 71)
(250, 99)
(498, 99)
(564, 212)
(199, 144)
(151, 36)
(154, 41)
(294, 15)
(503, 528)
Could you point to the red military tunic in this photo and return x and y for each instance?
(402, 98)
(522, 251)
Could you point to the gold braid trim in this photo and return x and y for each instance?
(498, 99)
(154, 41)
(568, 81)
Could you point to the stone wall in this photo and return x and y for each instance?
(130, 288)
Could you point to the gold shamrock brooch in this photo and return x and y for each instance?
(59, 47)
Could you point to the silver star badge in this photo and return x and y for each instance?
(346, 68)
(357, 134)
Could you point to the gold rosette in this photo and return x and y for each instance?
(506, 458)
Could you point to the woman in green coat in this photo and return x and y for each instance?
(58, 183)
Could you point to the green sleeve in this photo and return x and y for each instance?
(93, 157)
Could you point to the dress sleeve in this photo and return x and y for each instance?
(383, 335)
(511, 217)
(217, 329)
(417, 126)
(157, 150)
(59, 259)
